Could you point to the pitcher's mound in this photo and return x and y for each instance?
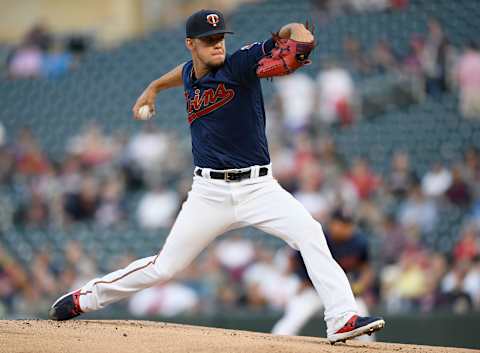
(41, 336)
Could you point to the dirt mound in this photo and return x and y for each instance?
(41, 336)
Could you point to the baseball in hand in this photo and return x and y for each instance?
(144, 112)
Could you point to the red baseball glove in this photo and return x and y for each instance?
(287, 56)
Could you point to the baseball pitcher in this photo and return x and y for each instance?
(233, 186)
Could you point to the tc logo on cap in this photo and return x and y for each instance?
(213, 19)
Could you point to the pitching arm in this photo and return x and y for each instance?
(173, 78)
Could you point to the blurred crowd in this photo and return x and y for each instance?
(366, 81)
(398, 210)
(41, 55)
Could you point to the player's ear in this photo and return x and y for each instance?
(189, 43)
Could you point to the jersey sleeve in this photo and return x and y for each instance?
(243, 63)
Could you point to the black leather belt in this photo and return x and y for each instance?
(233, 175)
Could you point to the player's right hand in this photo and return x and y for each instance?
(146, 98)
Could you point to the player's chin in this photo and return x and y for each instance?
(216, 61)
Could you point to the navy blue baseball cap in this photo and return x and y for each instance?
(205, 23)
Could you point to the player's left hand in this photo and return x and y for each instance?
(303, 33)
(293, 45)
(287, 56)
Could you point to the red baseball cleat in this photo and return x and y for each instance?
(357, 326)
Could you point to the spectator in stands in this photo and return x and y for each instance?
(468, 247)
(297, 98)
(7, 160)
(82, 264)
(147, 152)
(436, 269)
(33, 213)
(30, 159)
(310, 194)
(13, 279)
(436, 59)
(205, 277)
(83, 204)
(346, 194)
(25, 62)
(475, 214)
(156, 209)
(43, 275)
(459, 192)
(393, 240)
(77, 45)
(472, 282)
(70, 174)
(304, 151)
(331, 163)
(229, 297)
(267, 282)
(467, 74)
(470, 169)
(454, 286)
(382, 57)
(436, 181)
(274, 121)
(404, 283)
(418, 212)
(74, 48)
(364, 179)
(167, 299)
(336, 95)
(349, 246)
(39, 36)
(92, 146)
(412, 64)
(56, 62)
(283, 165)
(401, 177)
(111, 210)
(51, 190)
(234, 255)
(353, 57)
(39, 55)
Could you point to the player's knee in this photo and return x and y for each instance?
(169, 267)
(164, 275)
(165, 271)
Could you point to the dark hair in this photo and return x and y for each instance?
(341, 215)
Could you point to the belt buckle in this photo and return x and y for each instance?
(231, 173)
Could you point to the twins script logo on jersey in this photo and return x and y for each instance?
(207, 102)
(213, 19)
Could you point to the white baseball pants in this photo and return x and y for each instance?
(214, 207)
